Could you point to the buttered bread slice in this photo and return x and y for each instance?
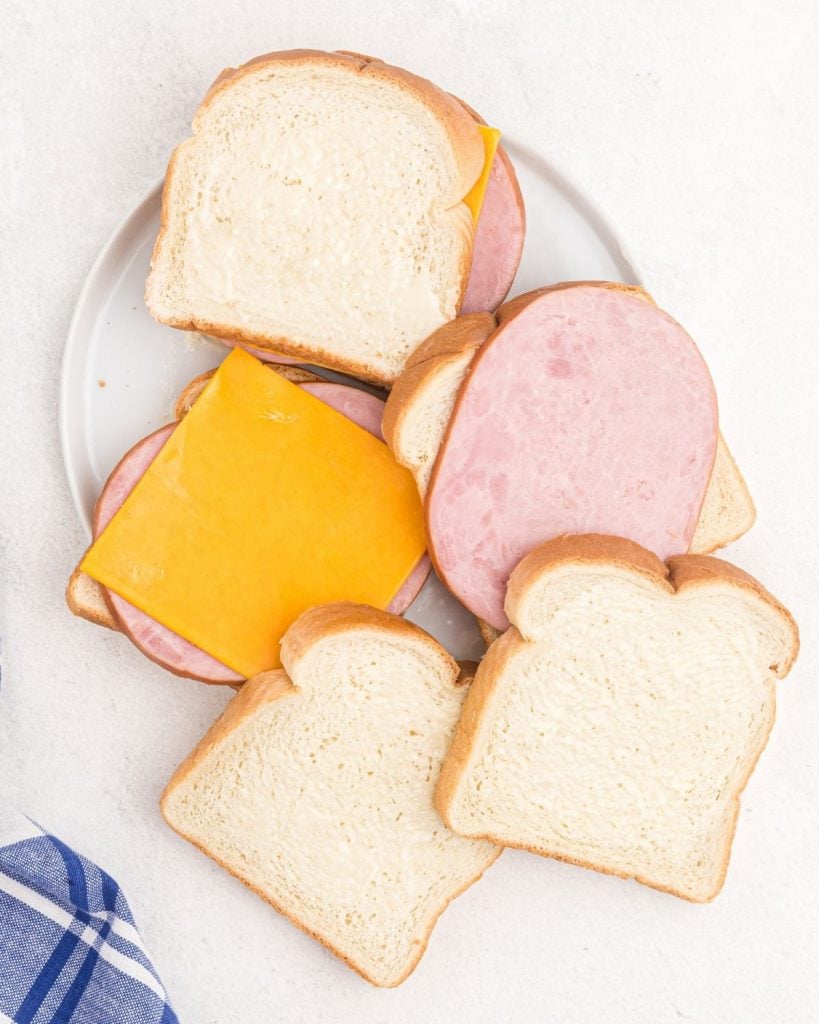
(318, 211)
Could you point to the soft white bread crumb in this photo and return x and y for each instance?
(85, 598)
(615, 724)
(316, 788)
(317, 211)
(727, 509)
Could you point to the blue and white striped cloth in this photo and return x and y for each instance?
(69, 949)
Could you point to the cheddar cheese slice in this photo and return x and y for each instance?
(263, 502)
(474, 199)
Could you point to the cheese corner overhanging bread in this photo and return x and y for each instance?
(577, 407)
(617, 721)
(316, 785)
(318, 211)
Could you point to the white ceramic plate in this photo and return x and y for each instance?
(122, 371)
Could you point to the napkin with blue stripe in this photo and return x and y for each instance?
(69, 949)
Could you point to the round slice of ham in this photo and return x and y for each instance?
(499, 236)
(587, 411)
(158, 642)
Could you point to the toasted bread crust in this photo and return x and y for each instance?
(463, 334)
(277, 685)
(342, 616)
(688, 571)
(282, 346)
(457, 121)
(680, 573)
(584, 549)
(459, 126)
(474, 706)
(100, 615)
(450, 342)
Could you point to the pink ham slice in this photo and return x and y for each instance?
(587, 411)
(157, 641)
(125, 475)
(361, 407)
(499, 236)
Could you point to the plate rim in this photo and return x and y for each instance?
(585, 200)
(67, 413)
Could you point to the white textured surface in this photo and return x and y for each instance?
(694, 127)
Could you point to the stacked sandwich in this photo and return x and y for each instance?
(557, 459)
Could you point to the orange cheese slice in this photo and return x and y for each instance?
(474, 199)
(263, 502)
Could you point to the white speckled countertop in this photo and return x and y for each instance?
(694, 127)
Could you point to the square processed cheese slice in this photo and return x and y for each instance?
(263, 502)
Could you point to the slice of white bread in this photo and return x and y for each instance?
(86, 599)
(727, 509)
(420, 404)
(316, 785)
(616, 723)
(317, 211)
(84, 596)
